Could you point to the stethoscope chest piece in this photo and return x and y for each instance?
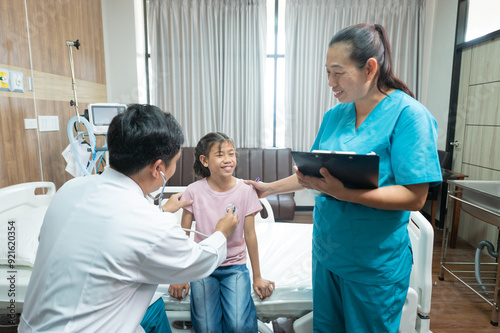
(229, 207)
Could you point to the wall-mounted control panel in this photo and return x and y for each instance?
(12, 81)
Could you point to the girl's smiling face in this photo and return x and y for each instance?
(221, 161)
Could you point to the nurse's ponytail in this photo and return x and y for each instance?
(371, 41)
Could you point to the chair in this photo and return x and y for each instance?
(269, 216)
(433, 193)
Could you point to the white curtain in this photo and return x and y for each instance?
(309, 26)
(208, 62)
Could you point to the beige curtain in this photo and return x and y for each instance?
(208, 59)
(309, 26)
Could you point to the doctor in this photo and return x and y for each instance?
(104, 248)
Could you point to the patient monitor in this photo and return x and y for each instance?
(101, 114)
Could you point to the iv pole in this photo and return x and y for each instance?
(70, 51)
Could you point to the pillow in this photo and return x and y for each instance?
(27, 229)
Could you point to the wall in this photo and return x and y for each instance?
(439, 41)
(40, 52)
(124, 50)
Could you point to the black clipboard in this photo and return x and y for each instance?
(353, 170)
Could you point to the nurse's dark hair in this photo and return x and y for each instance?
(203, 148)
(140, 136)
(371, 41)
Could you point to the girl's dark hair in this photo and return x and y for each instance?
(371, 41)
(203, 148)
(140, 136)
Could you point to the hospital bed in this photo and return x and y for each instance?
(285, 258)
(22, 208)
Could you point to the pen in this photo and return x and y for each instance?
(258, 179)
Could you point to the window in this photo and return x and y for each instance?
(274, 111)
(274, 97)
(482, 18)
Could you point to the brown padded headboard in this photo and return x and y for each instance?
(269, 164)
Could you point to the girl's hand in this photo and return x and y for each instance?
(176, 290)
(173, 204)
(328, 184)
(263, 189)
(263, 288)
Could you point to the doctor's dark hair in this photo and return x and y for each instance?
(371, 41)
(140, 136)
(203, 148)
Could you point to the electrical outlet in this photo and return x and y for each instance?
(4, 80)
(30, 123)
(16, 81)
(48, 123)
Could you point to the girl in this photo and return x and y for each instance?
(222, 302)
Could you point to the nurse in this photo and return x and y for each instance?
(362, 255)
(104, 248)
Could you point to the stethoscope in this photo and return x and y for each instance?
(160, 198)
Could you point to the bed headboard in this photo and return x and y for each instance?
(269, 164)
(17, 198)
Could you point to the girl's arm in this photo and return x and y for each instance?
(180, 290)
(263, 288)
(187, 220)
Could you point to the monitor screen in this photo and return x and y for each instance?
(103, 114)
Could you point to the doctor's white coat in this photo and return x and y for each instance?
(103, 250)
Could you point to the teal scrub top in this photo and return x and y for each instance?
(356, 242)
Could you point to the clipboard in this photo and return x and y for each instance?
(353, 170)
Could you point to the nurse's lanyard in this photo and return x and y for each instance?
(160, 198)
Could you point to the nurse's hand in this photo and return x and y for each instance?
(328, 184)
(263, 189)
(174, 204)
(178, 291)
(228, 223)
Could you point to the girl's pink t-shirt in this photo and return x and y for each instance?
(209, 207)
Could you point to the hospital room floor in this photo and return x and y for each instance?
(5, 327)
(454, 308)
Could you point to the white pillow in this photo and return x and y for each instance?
(27, 229)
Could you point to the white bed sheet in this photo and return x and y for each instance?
(285, 258)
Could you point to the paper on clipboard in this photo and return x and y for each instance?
(353, 170)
